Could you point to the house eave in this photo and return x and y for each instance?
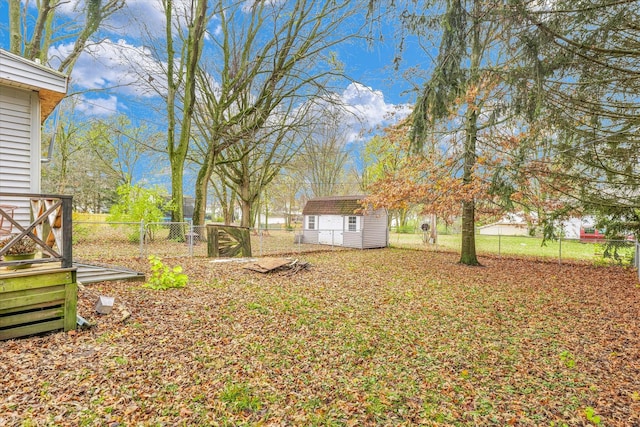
(18, 72)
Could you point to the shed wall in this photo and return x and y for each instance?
(375, 230)
(310, 236)
(352, 239)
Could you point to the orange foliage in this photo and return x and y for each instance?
(433, 180)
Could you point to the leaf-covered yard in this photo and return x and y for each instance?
(378, 337)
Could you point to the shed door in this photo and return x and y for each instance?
(330, 230)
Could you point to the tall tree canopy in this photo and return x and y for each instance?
(33, 41)
(463, 112)
(268, 59)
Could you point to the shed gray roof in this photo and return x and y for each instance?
(336, 205)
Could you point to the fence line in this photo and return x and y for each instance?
(562, 250)
(177, 239)
(99, 240)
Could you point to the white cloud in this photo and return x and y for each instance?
(147, 19)
(140, 17)
(98, 106)
(368, 110)
(127, 68)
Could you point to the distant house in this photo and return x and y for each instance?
(342, 221)
(509, 225)
(28, 94)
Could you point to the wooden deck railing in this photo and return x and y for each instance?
(49, 214)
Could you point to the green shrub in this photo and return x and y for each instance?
(137, 204)
(164, 277)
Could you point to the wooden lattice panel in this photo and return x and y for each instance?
(228, 241)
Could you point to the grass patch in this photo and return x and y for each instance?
(621, 253)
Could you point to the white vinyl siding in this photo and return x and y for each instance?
(375, 231)
(19, 146)
(15, 140)
(336, 223)
(23, 84)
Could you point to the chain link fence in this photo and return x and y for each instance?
(93, 241)
(609, 252)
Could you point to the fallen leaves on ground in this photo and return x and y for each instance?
(377, 337)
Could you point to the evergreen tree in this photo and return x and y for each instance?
(583, 95)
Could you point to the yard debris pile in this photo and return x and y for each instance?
(285, 265)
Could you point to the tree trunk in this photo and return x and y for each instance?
(402, 213)
(245, 200)
(245, 221)
(468, 253)
(468, 250)
(266, 215)
(200, 202)
(178, 149)
(228, 211)
(177, 214)
(434, 229)
(14, 26)
(202, 184)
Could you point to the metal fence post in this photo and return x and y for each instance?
(141, 238)
(259, 233)
(637, 260)
(560, 250)
(192, 238)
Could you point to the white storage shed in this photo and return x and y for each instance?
(342, 221)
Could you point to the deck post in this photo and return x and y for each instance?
(67, 232)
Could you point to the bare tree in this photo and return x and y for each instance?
(324, 156)
(269, 57)
(31, 36)
(184, 37)
(251, 164)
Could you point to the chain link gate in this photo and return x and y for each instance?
(172, 239)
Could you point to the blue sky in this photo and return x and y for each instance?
(105, 80)
(370, 65)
